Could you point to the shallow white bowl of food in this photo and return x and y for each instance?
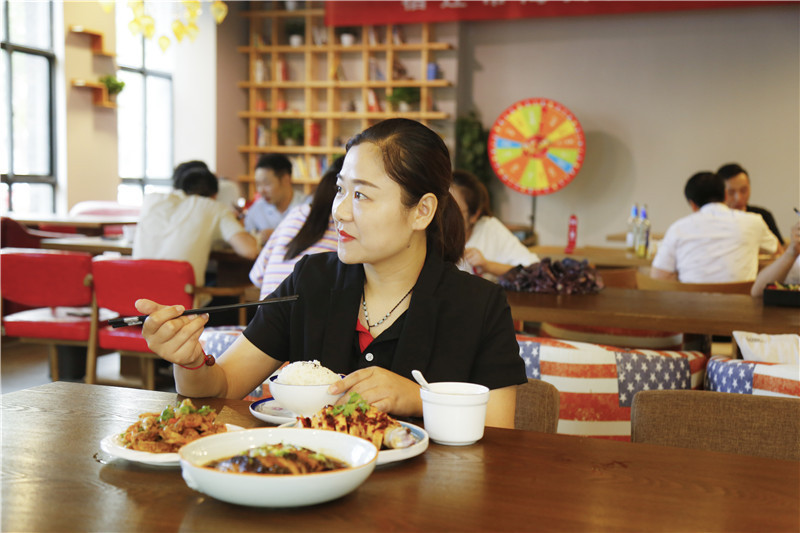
(303, 400)
(277, 490)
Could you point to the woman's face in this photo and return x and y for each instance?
(371, 220)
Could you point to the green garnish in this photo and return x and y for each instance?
(354, 402)
(166, 414)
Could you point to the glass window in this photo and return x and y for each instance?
(31, 24)
(26, 106)
(144, 120)
(130, 128)
(30, 78)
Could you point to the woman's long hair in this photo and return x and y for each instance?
(417, 159)
(319, 216)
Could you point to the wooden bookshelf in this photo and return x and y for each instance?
(336, 90)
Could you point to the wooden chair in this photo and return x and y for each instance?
(537, 407)
(646, 283)
(118, 283)
(622, 278)
(16, 235)
(745, 424)
(56, 287)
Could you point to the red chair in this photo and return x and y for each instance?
(15, 235)
(118, 283)
(58, 285)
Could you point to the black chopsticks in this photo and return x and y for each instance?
(123, 321)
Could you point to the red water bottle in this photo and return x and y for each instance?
(572, 234)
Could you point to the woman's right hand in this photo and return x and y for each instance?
(171, 336)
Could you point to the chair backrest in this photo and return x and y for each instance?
(646, 283)
(120, 282)
(45, 278)
(745, 424)
(537, 407)
(622, 278)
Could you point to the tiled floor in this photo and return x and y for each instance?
(25, 365)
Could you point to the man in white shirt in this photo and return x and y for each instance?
(184, 223)
(715, 244)
(273, 177)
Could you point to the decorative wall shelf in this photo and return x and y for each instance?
(96, 39)
(99, 93)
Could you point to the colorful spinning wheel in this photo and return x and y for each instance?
(536, 146)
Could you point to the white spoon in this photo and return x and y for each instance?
(420, 379)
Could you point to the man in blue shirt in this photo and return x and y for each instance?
(273, 177)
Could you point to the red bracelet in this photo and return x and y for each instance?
(208, 360)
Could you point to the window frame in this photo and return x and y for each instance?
(144, 181)
(9, 48)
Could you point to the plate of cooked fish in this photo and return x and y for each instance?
(396, 440)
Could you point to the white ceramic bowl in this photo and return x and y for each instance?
(454, 412)
(270, 490)
(304, 400)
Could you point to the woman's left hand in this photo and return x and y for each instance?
(382, 389)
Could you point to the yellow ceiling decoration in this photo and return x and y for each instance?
(183, 25)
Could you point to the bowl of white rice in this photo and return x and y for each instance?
(302, 387)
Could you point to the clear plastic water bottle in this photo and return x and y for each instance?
(631, 235)
(643, 240)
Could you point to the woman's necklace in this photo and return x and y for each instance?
(382, 320)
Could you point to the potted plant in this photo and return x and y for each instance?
(403, 97)
(472, 148)
(113, 85)
(347, 35)
(290, 132)
(296, 30)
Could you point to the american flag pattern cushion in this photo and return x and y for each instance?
(753, 377)
(596, 383)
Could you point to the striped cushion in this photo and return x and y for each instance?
(753, 377)
(596, 383)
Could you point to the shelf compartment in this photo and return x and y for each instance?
(96, 39)
(100, 96)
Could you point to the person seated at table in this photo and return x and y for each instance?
(307, 229)
(785, 269)
(273, 177)
(390, 300)
(737, 195)
(184, 223)
(491, 249)
(715, 244)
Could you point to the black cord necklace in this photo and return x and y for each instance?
(382, 320)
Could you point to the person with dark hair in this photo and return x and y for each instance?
(307, 229)
(183, 168)
(390, 300)
(184, 223)
(491, 249)
(715, 244)
(273, 178)
(737, 195)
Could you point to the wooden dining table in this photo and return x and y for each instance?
(689, 312)
(85, 224)
(599, 256)
(56, 478)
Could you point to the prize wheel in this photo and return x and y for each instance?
(536, 146)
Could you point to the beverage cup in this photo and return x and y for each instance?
(454, 412)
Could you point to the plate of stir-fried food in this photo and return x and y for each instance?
(156, 437)
(396, 440)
